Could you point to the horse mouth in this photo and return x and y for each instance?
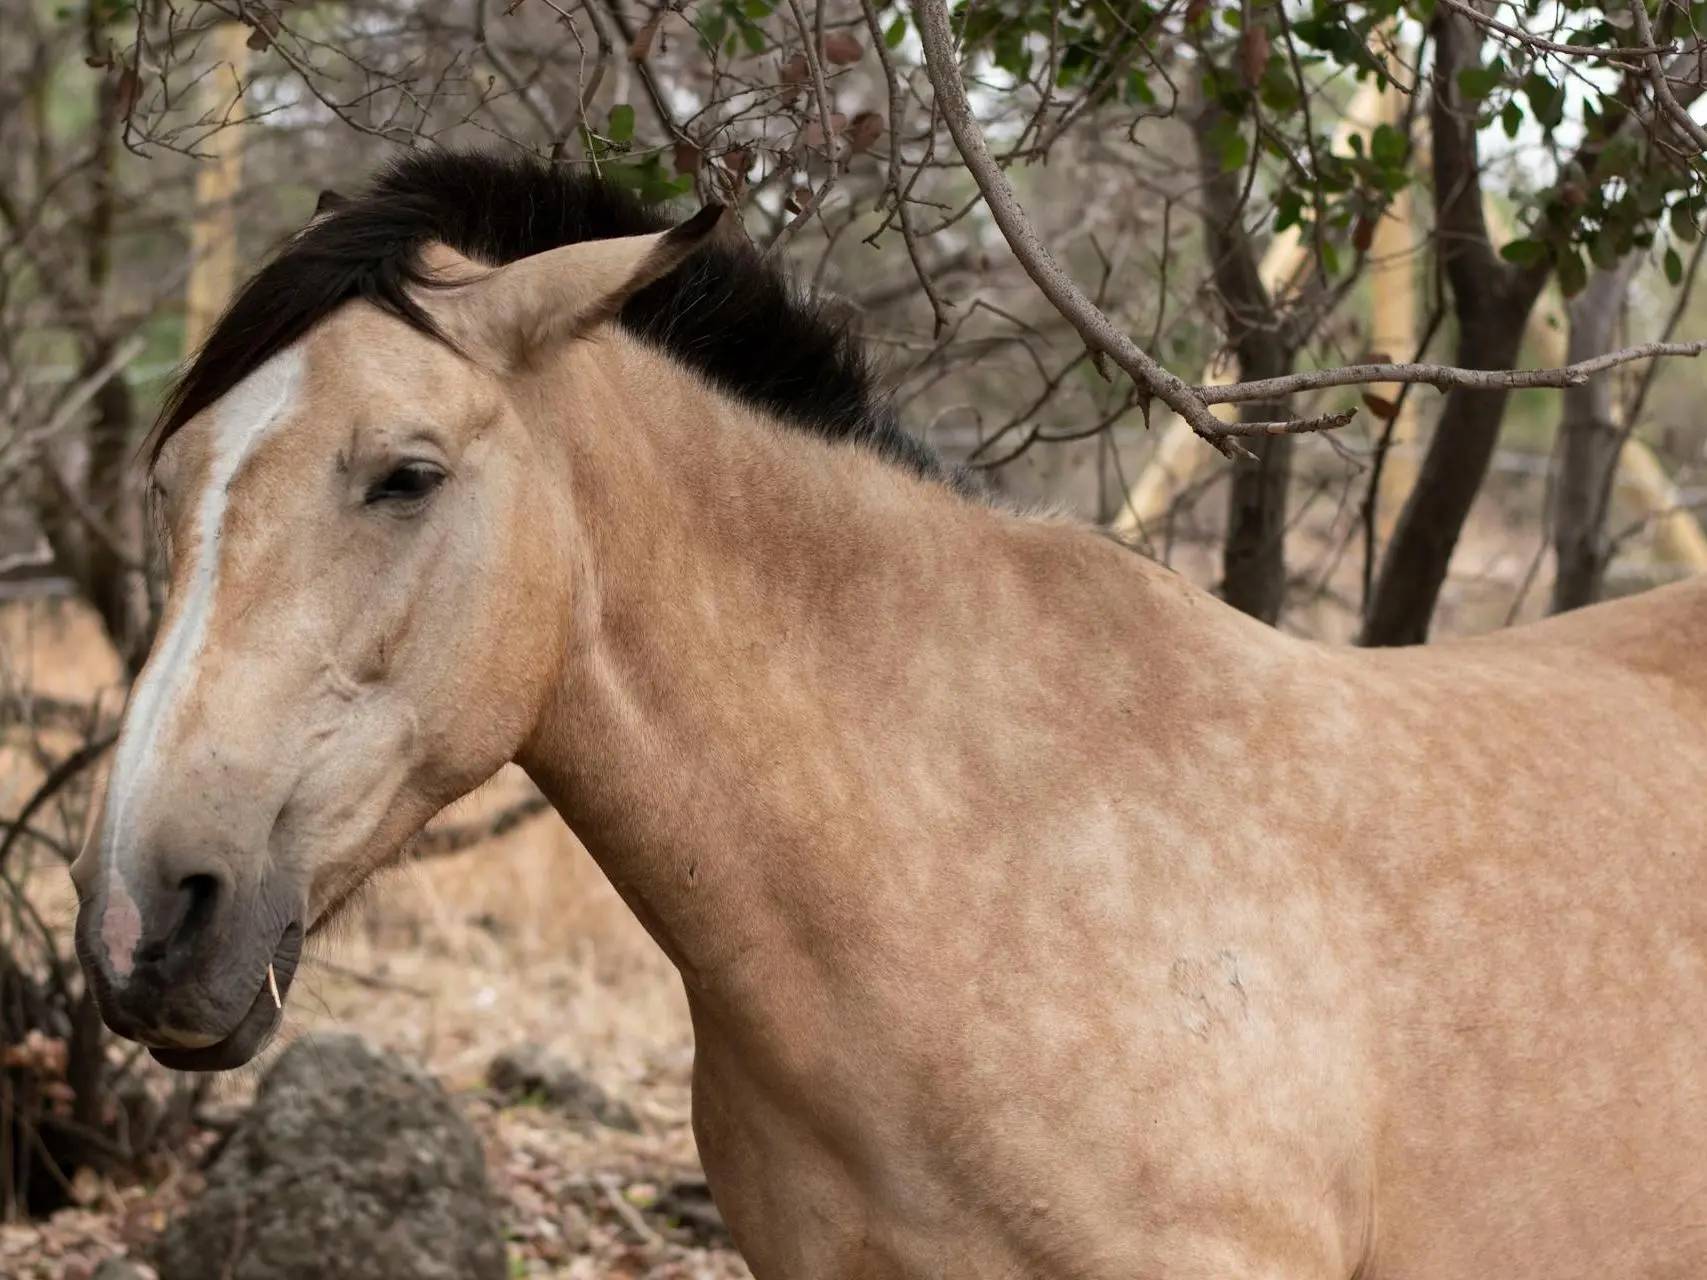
(259, 1024)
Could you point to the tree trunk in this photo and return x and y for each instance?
(1590, 442)
(1491, 302)
(1254, 557)
(93, 535)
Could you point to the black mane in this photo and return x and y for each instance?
(727, 313)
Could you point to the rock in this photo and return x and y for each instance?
(352, 1164)
(688, 1204)
(529, 1072)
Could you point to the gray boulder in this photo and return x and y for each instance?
(352, 1164)
(528, 1072)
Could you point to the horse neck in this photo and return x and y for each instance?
(751, 606)
(809, 694)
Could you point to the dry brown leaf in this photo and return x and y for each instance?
(815, 131)
(641, 45)
(866, 129)
(266, 26)
(843, 48)
(1381, 407)
(792, 74)
(799, 200)
(687, 158)
(1253, 53)
(129, 90)
(1363, 234)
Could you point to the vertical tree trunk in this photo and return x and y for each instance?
(1254, 557)
(1492, 301)
(1590, 441)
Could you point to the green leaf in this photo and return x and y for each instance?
(1523, 252)
(1607, 247)
(1674, 267)
(897, 32)
(1573, 274)
(1387, 147)
(1683, 225)
(1476, 83)
(1230, 145)
(1511, 117)
(756, 9)
(1138, 88)
(621, 127)
(1277, 88)
(754, 38)
(1330, 257)
(1288, 209)
(1546, 99)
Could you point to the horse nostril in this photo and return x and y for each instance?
(202, 892)
(180, 918)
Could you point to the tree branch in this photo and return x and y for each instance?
(1681, 120)
(1443, 377)
(1617, 57)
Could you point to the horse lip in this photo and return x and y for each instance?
(167, 1038)
(257, 1028)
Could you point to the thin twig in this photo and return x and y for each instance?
(51, 785)
(628, 1213)
(832, 145)
(1616, 56)
(892, 81)
(77, 397)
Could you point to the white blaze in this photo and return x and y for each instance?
(241, 420)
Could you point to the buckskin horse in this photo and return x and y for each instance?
(1039, 914)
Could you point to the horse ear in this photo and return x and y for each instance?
(517, 312)
(329, 202)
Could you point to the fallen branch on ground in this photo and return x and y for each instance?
(447, 840)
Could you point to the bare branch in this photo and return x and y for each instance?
(1442, 376)
(832, 147)
(77, 397)
(1617, 57)
(1095, 328)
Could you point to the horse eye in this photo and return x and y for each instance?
(409, 482)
